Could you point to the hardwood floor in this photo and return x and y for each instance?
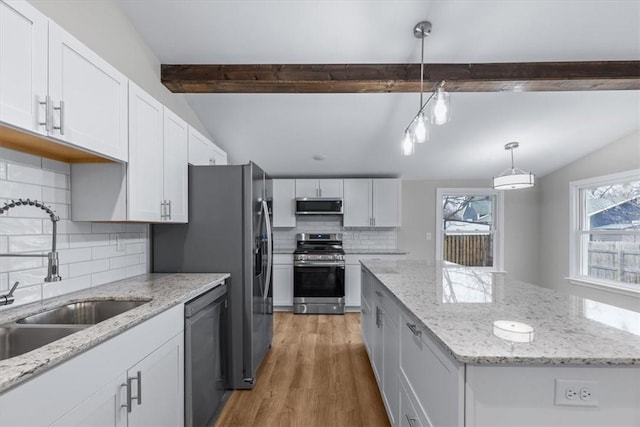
(317, 374)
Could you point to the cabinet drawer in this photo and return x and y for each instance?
(431, 375)
(411, 414)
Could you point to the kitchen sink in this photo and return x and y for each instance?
(82, 312)
(17, 339)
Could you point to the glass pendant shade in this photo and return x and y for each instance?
(408, 146)
(513, 179)
(421, 129)
(440, 110)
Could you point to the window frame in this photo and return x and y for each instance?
(576, 232)
(498, 222)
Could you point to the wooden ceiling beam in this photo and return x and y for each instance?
(382, 78)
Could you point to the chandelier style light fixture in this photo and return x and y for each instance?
(513, 178)
(418, 129)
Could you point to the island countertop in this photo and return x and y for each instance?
(459, 305)
(163, 290)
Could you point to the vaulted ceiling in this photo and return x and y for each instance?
(359, 134)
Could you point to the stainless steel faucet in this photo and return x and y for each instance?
(52, 269)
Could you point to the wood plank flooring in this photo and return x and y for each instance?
(317, 374)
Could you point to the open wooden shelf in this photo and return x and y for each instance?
(44, 147)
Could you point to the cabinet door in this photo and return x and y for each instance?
(23, 65)
(357, 203)
(93, 113)
(145, 187)
(367, 309)
(352, 285)
(436, 380)
(218, 155)
(161, 387)
(386, 202)
(198, 148)
(307, 188)
(391, 364)
(103, 408)
(284, 203)
(175, 166)
(330, 188)
(283, 285)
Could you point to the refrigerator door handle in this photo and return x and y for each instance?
(267, 282)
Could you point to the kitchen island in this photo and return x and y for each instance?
(441, 359)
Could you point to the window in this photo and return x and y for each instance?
(605, 237)
(470, 227)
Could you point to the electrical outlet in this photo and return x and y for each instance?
(428, 236)
(576, 392)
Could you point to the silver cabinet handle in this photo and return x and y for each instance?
(414, 329)
(162, 209)
(169, 214)
(411, 421)
(378, 317)
(47, 122)
(130, 397)
(60, 108)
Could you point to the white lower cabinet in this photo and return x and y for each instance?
(159, 382)
(283, 280)
(419, 384)
(436, 381)
(352, 285)
(92, 388)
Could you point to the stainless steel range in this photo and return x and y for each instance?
(318, 271)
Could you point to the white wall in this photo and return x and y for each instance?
(621, 155)
(103, 26)
(90, 254)
(521, 240)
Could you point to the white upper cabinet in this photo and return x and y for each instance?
(386, 202)
(53, 85)
(87, 96)
(145, 168)
(203, 152)
(371, 202)
(175, 174)
(357, 203)
(284, 202)
(157, 169)
(23, 65)
(152, 186)
(319, 188)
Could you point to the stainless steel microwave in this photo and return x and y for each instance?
(308, 206)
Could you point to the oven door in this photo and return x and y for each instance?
(318, 280)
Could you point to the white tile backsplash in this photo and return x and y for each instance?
(88, 252)
(352, 238)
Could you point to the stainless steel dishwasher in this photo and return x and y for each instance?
(205, 357)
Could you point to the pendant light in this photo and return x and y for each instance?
(440, 110)
(513, 178)
(418, 129)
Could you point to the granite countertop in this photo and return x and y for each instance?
(458, 306)
(164, 291)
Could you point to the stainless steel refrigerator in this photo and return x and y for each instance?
(229, 230)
